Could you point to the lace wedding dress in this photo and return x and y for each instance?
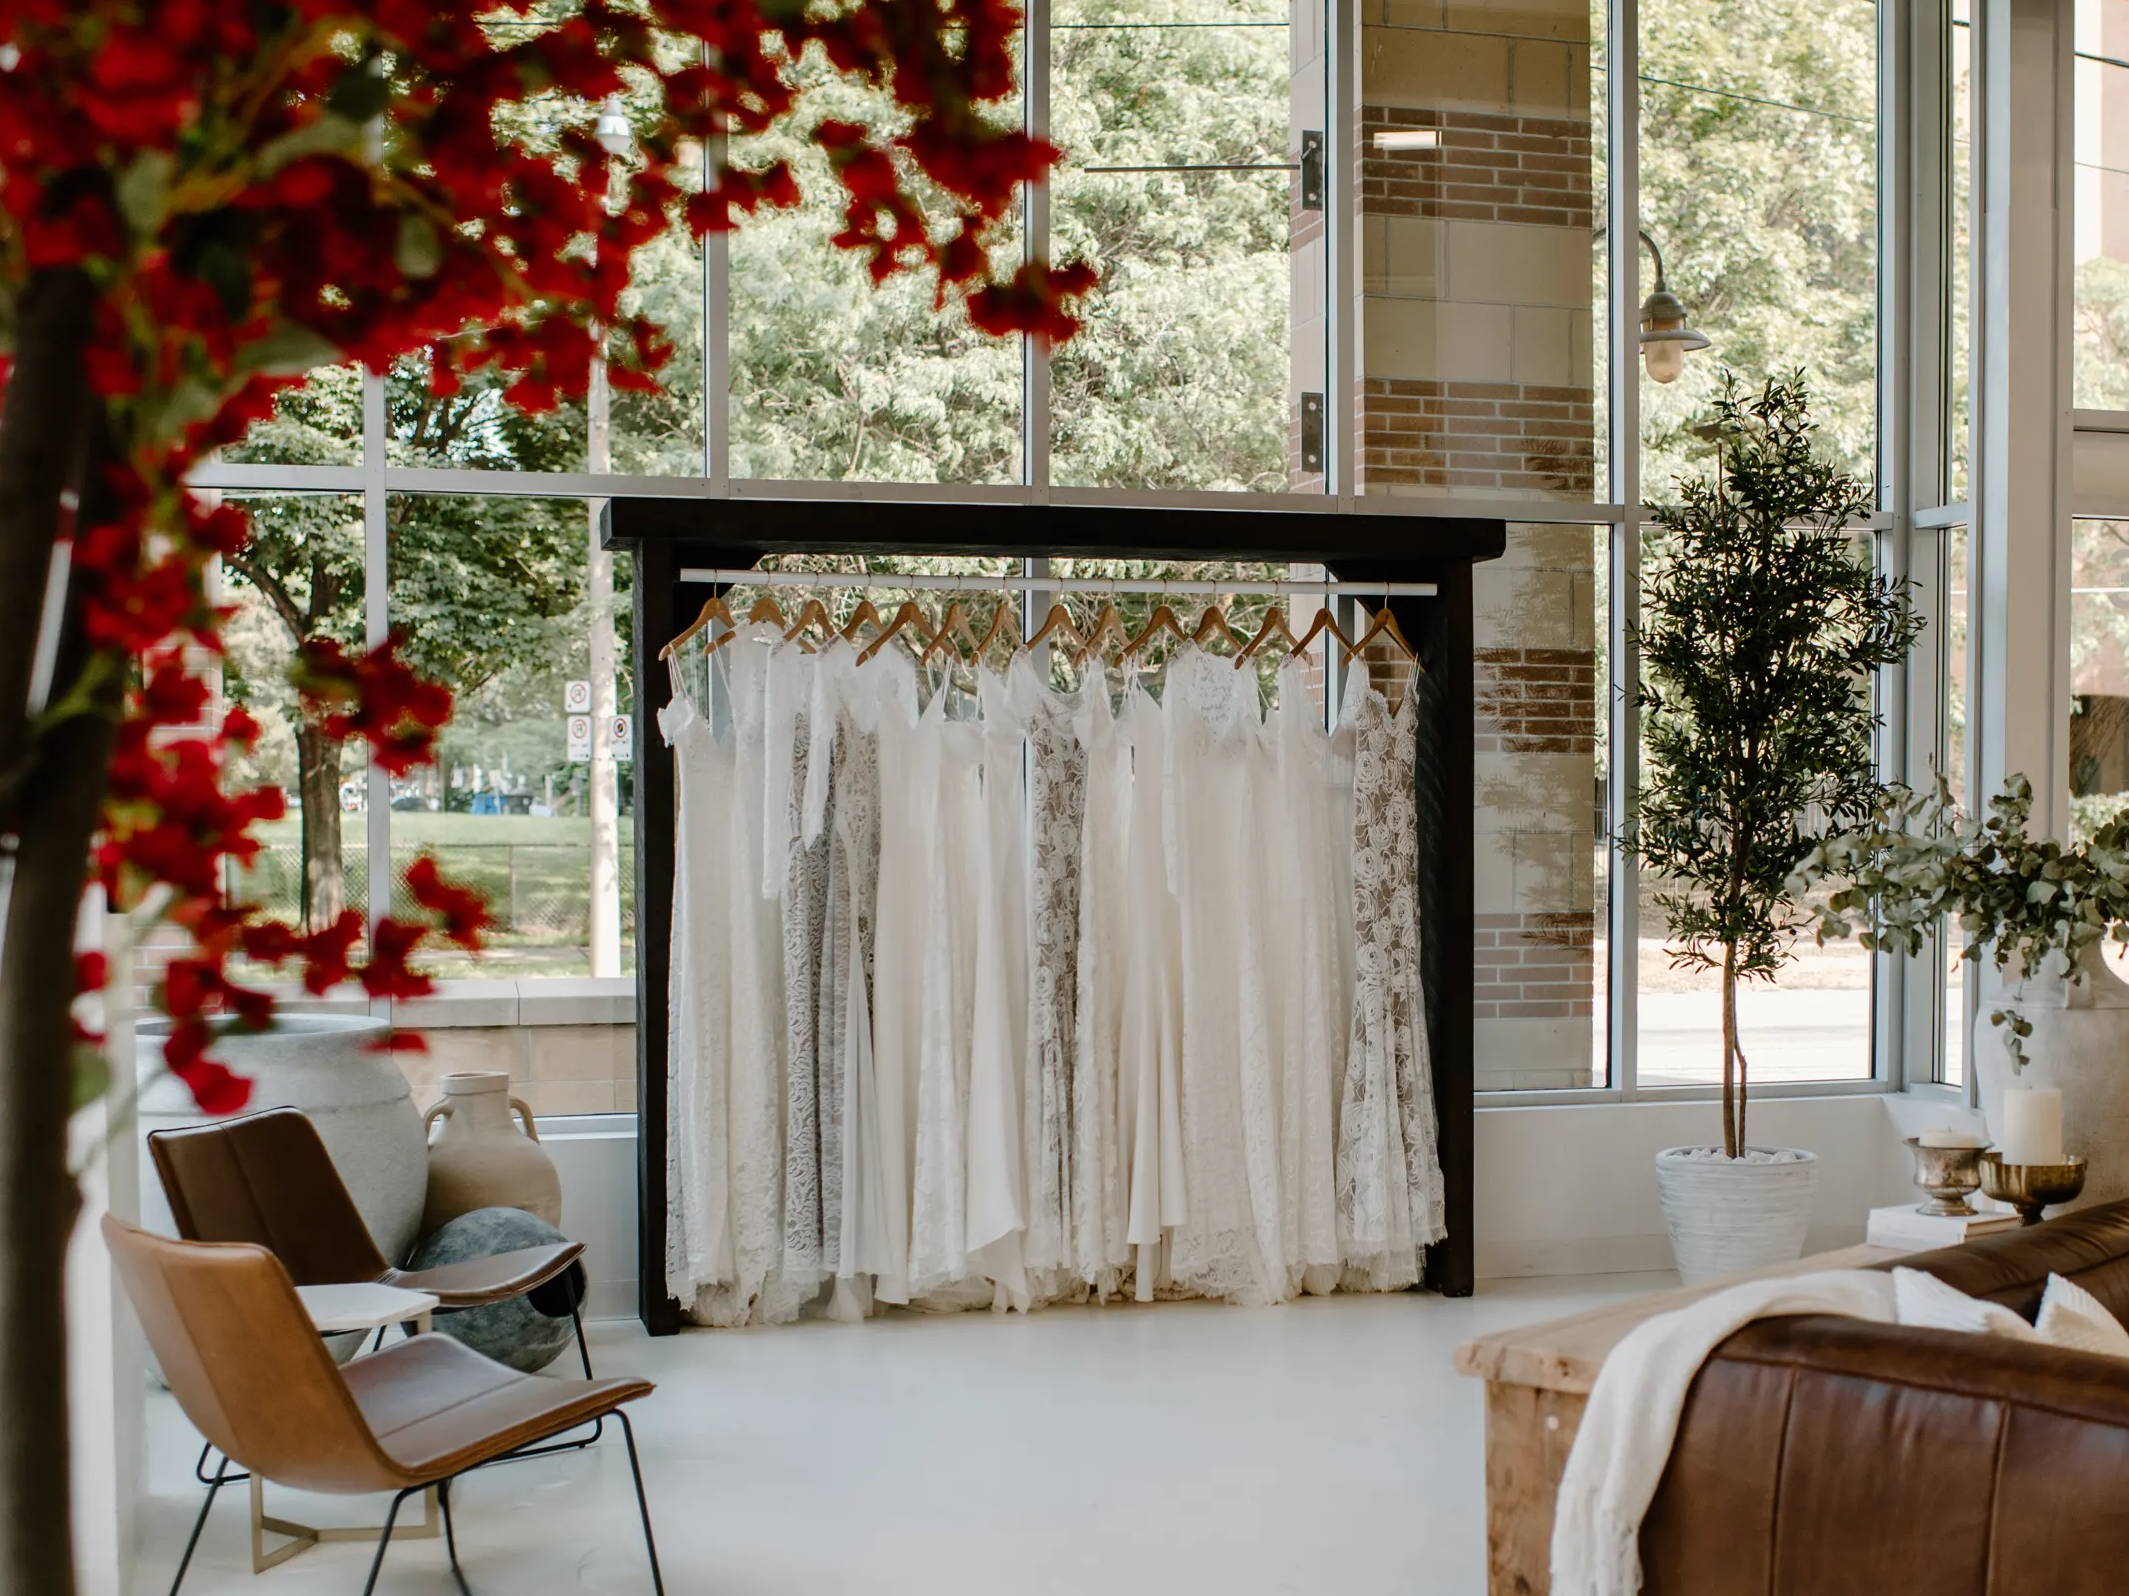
(1057, 803)
(1389, 1179)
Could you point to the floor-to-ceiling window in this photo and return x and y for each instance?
(1345, 256)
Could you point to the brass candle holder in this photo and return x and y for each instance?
(2032, 1189)
(1949, 1175)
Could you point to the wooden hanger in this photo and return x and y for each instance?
(1059, 622)
(953, 624)
(1274, 626)
(1325, 621)
(1163, 619)
(812, 612)
(906, 619)
(1109, 620)
(764, 613)
(863, 615)
(715, 610)
(1005, 622)
(1213, 623)
(1384, 625)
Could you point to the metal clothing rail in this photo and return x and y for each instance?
(737, 577)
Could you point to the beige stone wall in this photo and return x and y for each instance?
(556, 1069)
(1477, 380)
(1537, 723)
(1477, 254)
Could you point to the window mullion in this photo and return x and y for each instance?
(377, 626)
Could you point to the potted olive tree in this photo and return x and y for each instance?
(1761, 626)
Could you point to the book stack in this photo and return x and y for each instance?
(1906, 1227)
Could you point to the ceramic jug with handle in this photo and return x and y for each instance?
(481, 1159)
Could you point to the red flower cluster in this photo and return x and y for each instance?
(253, 190)
(375, 696)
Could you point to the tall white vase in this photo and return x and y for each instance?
(358, 1099)
(2079, 1045)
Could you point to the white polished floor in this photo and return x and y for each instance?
(1325, 1447)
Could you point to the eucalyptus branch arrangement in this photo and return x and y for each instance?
(1760, 628)
(2022, 901)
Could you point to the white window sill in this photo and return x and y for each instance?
(554, 1000)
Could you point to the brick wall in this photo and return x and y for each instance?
(1534, 966)
(1533, 169)
(1488, 437)
(1536, 700)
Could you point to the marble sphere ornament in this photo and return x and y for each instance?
(526, 1332)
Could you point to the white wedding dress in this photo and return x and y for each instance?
(1303, 850)
(1230, 1245)
(1149, 1114)
(997, 1203)
(1100, 1252)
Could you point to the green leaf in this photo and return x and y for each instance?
(419, 250)
(143, 187)
(90, 1074)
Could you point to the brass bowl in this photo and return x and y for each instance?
(2032, 1188)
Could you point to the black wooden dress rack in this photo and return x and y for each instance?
(667, 536)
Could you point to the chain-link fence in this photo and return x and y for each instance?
(538, 892)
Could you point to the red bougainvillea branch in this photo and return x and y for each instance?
(238, 192)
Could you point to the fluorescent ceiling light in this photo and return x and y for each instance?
(1410, 138)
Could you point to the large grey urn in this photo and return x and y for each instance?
(526, 1332)
(2079, 1045)
(323, 1065)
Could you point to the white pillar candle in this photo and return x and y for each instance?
(1945, 1136)
(2032, 1125)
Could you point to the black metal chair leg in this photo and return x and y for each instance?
(443, 1497)
(214, 1485)
(643, 1506)
(384, 1538)
(583, 1347)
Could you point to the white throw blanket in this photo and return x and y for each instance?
(1625, 1439)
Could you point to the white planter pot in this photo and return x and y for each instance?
(358, 1100)
(1728, 1216)
(2079, 1045)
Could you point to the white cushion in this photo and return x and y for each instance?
(2070, 1316)
(1923, 1299)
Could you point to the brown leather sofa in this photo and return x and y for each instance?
(1822, 1456)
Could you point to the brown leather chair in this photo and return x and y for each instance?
(266, 1178)
(242, 1360)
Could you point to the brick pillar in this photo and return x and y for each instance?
(1477, 380)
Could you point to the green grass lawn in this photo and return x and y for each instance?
(535, 872)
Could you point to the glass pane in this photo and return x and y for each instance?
(474, 429)
(1180, 186)
(1957, 663)
(2099, 673)
(2102, 205)
(317, 424)
(835, 378)
(300, 576)
(1759, 188)
(491, 595)
(1959, 265)
(1481, 193)
(1542, 877)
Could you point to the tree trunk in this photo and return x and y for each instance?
(51, 791)
(318, 785)
(1733, 1105)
